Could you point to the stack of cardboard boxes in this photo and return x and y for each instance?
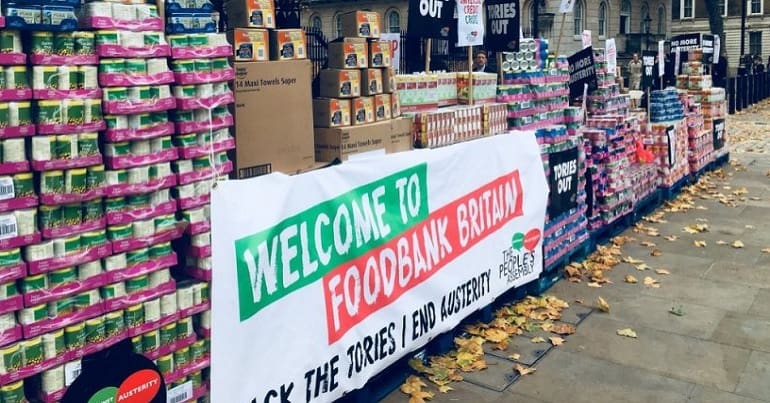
(358, 109)
(273, 80)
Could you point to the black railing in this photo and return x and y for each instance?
(745, 90)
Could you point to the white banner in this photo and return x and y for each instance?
(717, 48)
(470, 23)
(566, 6)
(661, 58)
(587, 41)
(677, 61)
(324, 279)
(395, 49)
(611, 55)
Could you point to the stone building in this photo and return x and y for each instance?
(692, 16)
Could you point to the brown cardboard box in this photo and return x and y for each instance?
(329, 112)
(362, 111)
(250, 13)
(388, 80)
(349, 53)
(342, 142)
(395, 109)
(401, 135)
(361, 24)
(249, 44)
(371, 82)
(287, 44)
(340, 83)
(382, 105)
(379, 54)
(273, 117)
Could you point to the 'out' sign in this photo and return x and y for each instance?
(563, 181)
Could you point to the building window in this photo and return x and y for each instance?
(643, 28)
(722, 5)
(577, 16)
(755, 43)
(532, 12)
(661, 20)
(756, 7)
(688, 9)
(337, 25)
(315, 22)
(602, 19)
(625, 17)
(394, 22)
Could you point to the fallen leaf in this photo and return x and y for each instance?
(579, 301)
(556, 341)
(630, 279)
(561, 328)
(690, 230)
(514, 356)
(721, 242)
(602, 304)
(737, 244)
(656, 252)
(420, 397)
(627, 332)
(444, 388)
(651, 282)
(495, 335)
(522, 370)
(642, 267)
(749, 226)
(538, 340)
(412, 384)
(766, 250)
(671, 238)
(700, 244)
(648, 244)
(631, 260)
(678, 311)
(594, 284)
(662, 271)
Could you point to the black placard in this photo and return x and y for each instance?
(582, 71)
(432, 18)
(649, 72)
(503, 21)
(563, 181)
(707, 44)
(719, 133)
(671, 134)
(685, 43)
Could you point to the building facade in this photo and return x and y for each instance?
(624, 20)
(692, 16)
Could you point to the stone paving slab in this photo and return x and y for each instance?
(744, 331)
(704, 394)
(754, 380)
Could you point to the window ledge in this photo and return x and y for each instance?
(577, 37)
(602, 37)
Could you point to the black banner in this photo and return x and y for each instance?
(582, 71)
(685, 43)
(649, 71)
(671, 134)
(719, 133)
(563, 181)
(432, 19)
(503, 21)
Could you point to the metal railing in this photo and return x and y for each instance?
(745, 90)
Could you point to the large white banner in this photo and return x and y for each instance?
(324, 279)
(611, 55)
(470, 22)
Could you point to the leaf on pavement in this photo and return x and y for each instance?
(602, 304)
(671, 238)
(594, 284)
(420, 397)
(642, 267)
(412, 385)
(749, 226)
(538, 340)
(766, 250)
(556, 341)
(495, 335)
(444, 388)
(662, 271)
(648, 244)
(721, 242)
(737, 244)
(630, 279)
(651, 282)
(656, 252)
(631, 260)
(562, 328)
(514, 356)
(627, 332)
(522, 370)
(700, 244)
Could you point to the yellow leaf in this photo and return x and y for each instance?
(631, 260)
(412, 385)
(627, 332)
(648, 244)
(656, 252)
(721, 242)
(642, 267)
(538, 340)
(671, 238)
(651, 282)
(602, 304)
(766, 250)
(749, 226)
(594, 284)
(700, 244)
(495, 335)
(662, 271)
(444, 388)
(420, 397)
(690, 230)
(514, 356)
(522, 370)
(630, 279)
(737, 244)
(556, 341)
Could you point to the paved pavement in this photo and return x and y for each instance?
(702, 336)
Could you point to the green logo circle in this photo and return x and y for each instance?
(517, 241)
(106, 395)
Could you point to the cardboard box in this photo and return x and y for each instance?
(349, 53)
(287, 44)
(250, 13)
(395, 108)
(379, 54)
(273, 117)
(388, 80)
(371, 83)
(401, 135)
(342, 142)
(329, 112)
(250, 45)
(361, 24)
(340, 83)
(382, 105)
(362, 111)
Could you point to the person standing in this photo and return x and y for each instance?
(635, 73)
(480, 62)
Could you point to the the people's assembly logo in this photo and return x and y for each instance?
(519, 259)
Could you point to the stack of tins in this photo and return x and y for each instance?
(644, 173)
